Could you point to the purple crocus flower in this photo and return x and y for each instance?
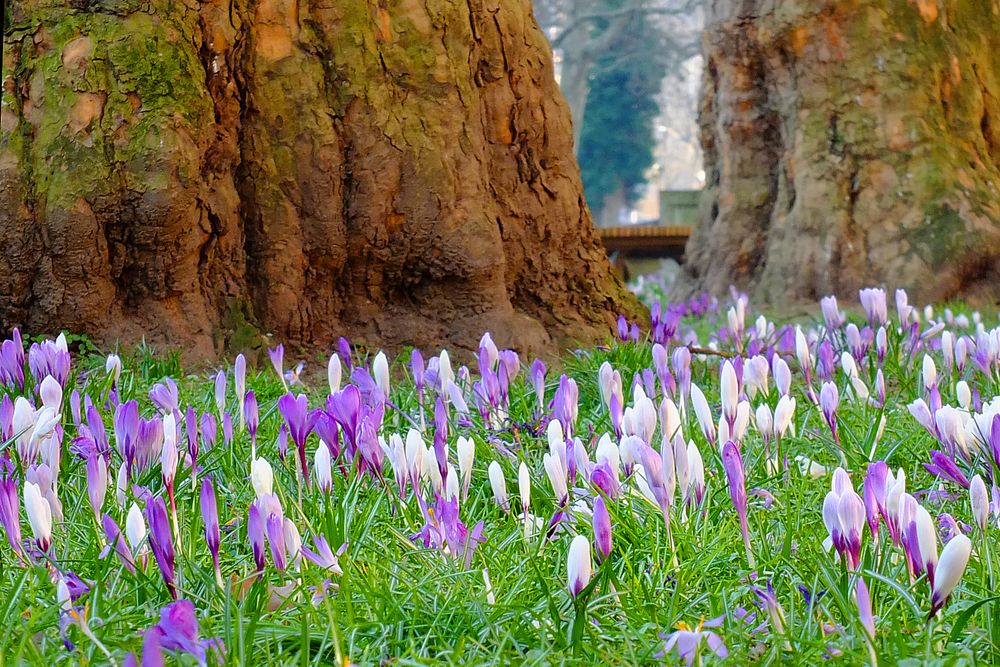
(874, 495)
(210, 517)
(944, 466)
(324, 557)
(829, 400)
(732, 461)
(687, 642)
(6, 418)
(275, 531)
(191, 430)
(417, 368)
(116, 541)
(165, 396)
(767, 600)
(604, 479)
(161, 542)
(345, 408)
(825, 363)
(251, 413)
(443, 530)
(681, 361)
(657, 479)
(295, 410)
(220, 392)
(622, 329)
(126, 430)
(441, 439)
(344, 350)
(178, 631)
(12, 362)
(152, 652)
(50, 357)
(537, 373)
(255, 531)
(602, 529)
(10, 504)
(277, 356)
(209, 430)
(227, 430)
(97, 482)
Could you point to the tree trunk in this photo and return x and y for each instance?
(848, 143)
(199, 172)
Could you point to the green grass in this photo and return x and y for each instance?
(397, 603)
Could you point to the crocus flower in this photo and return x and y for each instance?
(703, 412)
(161, 542)
(732, 461)
(557, 477)
(274, 530)
(323, 557)
(466, 450)
(730, 391)
(135, 530)
(178, 631)
(833, 318)
(12, 361)
(39, 514)
(116, 541)
(873, 301)
(951, 567)
(602, 529)
(277, 356)
(499, 486)
(782, 376)
(537, 373)
(210, 517)
(334, 373)
(261, 477)
(295, 410)
(844, 516)
(784, 412)
(208, 429)
(251, 417)
(524, 487)
(979, 501)
(578, 566)
(688, 642)
(191, 431)
(829, 400)
(443, 530)
(944, 466)
(97, 483)
(10, 510)
(864, 601)
(255, 531)
(322, 468)
(380, 371)
(220, 393)
(50, 357)
(767, 599)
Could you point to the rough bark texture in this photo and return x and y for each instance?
(849, 143)
(198, 172)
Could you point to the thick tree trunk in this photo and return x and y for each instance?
(196, 172)
(850, 142)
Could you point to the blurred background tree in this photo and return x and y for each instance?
(623, 67)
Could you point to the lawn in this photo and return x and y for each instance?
(710, 489)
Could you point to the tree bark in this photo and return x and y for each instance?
(198, 172)
(850, 142)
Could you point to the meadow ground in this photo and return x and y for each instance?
(651, 448)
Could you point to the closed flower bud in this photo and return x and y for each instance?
(578, 566)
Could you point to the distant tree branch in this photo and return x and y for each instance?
(619, 16)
